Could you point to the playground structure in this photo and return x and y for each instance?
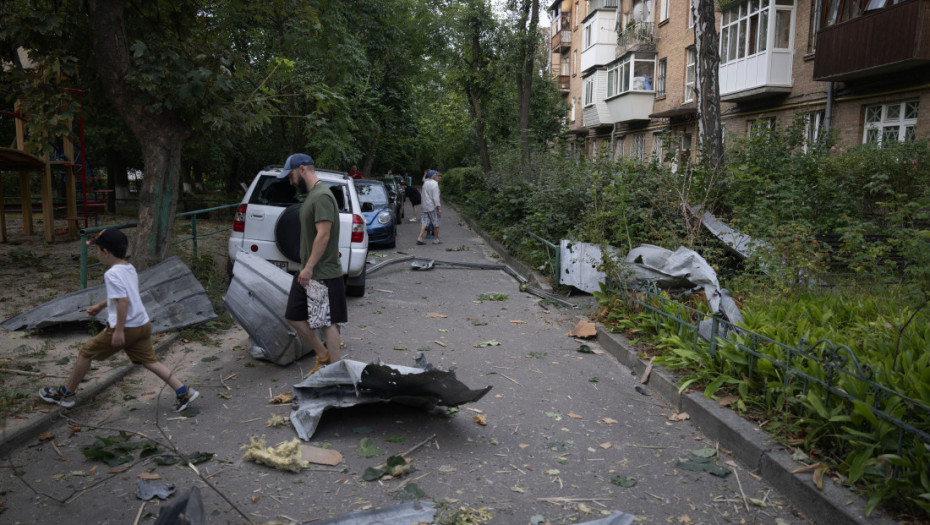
(70, 161)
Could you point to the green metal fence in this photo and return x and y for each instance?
(193, 236)
(839, 363)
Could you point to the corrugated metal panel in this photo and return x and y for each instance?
(256, 297)
(172, 296)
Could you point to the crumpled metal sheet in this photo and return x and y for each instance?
(615, 518)
(348, 383)
(579, 262)
(187, 510)
(403, 514)
(257, 297)
(171, 294)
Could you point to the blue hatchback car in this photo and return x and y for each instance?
(378, 211)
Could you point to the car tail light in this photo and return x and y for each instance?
(358, 228)
(239, 222)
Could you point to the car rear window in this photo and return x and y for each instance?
(271, 191)
(373, 193)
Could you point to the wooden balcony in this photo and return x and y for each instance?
(564, 83)
(562, 41)
(892, 39)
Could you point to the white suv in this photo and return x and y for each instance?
(267, 224)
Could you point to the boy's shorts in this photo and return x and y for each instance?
(297, 306)
(429, 218)
(138, 345)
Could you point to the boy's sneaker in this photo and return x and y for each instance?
(57, 396)
(185, 399)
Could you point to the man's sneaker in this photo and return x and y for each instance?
(320, 364)
(57, 396)
(185, 399)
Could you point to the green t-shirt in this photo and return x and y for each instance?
(320, 205)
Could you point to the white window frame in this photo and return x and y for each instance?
(691, 14)
(661, 75)
(638, 147)
(762, 122)
(813, 129)
(663, 15)
(690, 73)
(621, 75)
(588, 91)
(658, 145)
(588, 34)
(881, 121)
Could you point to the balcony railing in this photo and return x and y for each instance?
(636, 36)
(594, 5)
(562, 40)
(564, 83)
(876, 43)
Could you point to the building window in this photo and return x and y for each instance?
(890, 122)
(633, 72)
(588, 40)
(589, 91)
(744, 30)
(689, 74)
(575, 69)
(657, 146)
(663, 15)
(761, 124)
(638, 148)
(574, 102)
(660, 78)
(813, 129)
(618, 147)
(692, 13)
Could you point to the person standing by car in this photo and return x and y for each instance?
(431, 209)
(317, 298)
(354, 173)
(411, 194)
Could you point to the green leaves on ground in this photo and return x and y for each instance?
(368, 449)
(395, 466)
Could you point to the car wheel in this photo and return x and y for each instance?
(287, 232)
(355, 286)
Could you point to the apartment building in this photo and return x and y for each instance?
(859, 67)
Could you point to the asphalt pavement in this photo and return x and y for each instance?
(563, 436)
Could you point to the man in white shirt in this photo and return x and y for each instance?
(430, 209)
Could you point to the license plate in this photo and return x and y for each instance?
(279, 264)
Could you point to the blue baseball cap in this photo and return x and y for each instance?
(294, 161)
(433, 172)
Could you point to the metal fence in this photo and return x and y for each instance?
(835, 364)
(193, 236)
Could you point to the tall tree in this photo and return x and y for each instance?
(710, 135)
(528, 38)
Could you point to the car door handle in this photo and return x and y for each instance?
(257, 215)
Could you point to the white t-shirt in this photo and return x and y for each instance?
(123, 281)
(430, 195)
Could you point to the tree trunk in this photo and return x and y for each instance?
(161, 135)
(477, 113)
(530, 9)
(474, 91)
(707, 64)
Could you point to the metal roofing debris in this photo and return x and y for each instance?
(348, 383)
(579, 262)
(172, 296)
(256, 297)
(403, 514)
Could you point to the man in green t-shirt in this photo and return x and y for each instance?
(317, 298)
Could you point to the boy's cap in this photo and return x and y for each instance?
(433, 172)
(111, 240)
(294, 161)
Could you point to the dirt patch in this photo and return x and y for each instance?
(35, 272)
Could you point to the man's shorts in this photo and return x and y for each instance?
(296, 309)
(429, 217)
(138, 345)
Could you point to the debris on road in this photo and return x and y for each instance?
(420, 512)
(583, 329)
(286, 456)
(320, 456)
(148, 489)
(348, 383)
(702, 460)
(172, 296)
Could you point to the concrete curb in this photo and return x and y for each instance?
(532, 275)
(18, 438)
(753, 447)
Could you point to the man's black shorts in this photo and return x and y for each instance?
(297, 301)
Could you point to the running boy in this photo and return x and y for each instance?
(128, 327)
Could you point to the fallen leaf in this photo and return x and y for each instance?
(92, 471)
(575, 416)
(553, 472)
(610, 421)
(45, 436)
(681, 416)
(584, 329)
(435, 315)
(517, 321)
(646, 372)
(255, 498)
(726, 401)
(148, 476)
(282, 398)
(524, 445)
(481, 419)
(684, 519)
(818, 477)
(517, 489)
(605, 445)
